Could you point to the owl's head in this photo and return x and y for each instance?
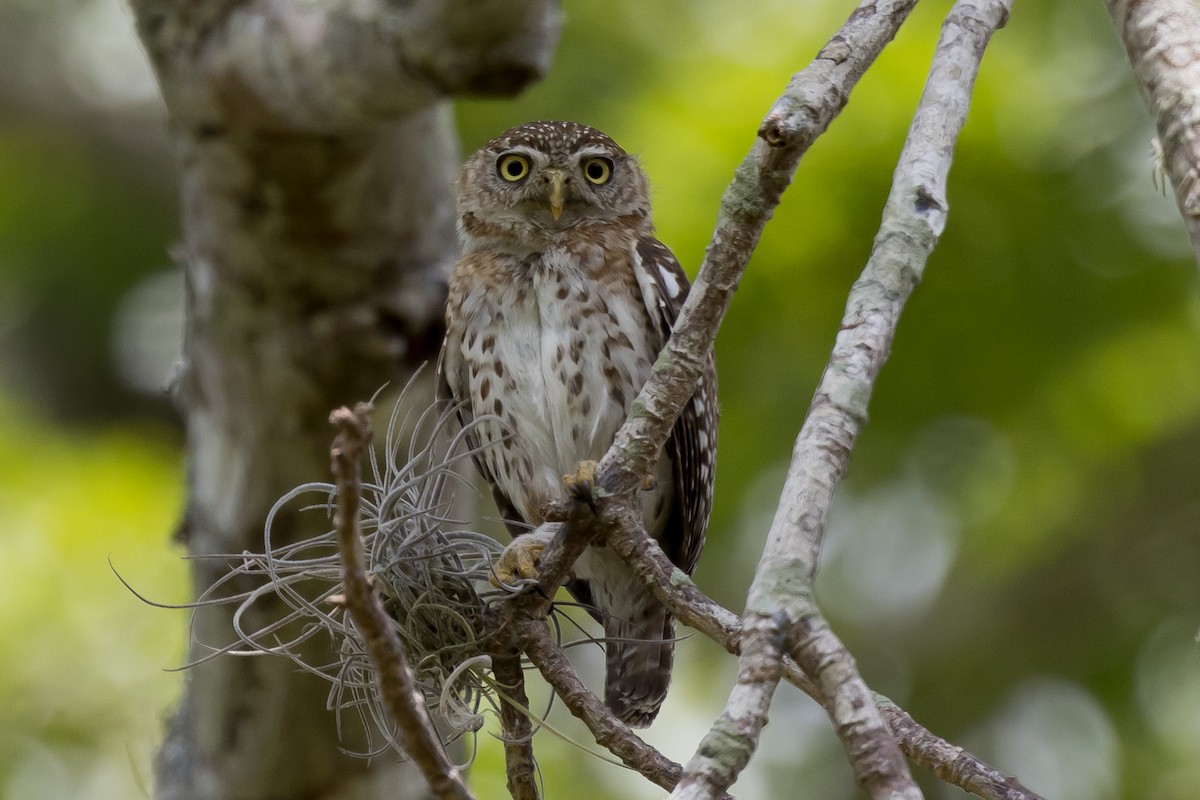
(552, 176)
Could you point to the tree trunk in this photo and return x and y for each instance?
(317, 155)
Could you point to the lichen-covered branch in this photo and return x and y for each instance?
(780, 602)
(695, 609)
(950, 763)
(813, 98)
(872, 748)
(397, 686)
(1162, 39)
(730, 743)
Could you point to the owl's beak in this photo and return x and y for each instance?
(556, 192)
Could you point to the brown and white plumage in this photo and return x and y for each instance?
(558, 307)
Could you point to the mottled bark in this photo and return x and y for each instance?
(317, 156)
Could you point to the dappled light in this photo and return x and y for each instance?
(1061, 736)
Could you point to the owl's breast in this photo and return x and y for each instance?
(558, 354)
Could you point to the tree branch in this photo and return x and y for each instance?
(674, 589)
(396, 684)
(821, 91)
(781, 594)
(1162, 40)
(609, 732)
(812, 100)
(519, 765)
(949, 762)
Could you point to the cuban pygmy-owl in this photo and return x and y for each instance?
(557, 309)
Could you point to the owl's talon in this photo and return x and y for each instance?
(581, 485)
(519, 562)
(583, 479)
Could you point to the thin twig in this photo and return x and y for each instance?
(517, 730)
(519, 625)
(609, 732)
(949, 762)
(396, 683)
(1162, 40)
(672, 586)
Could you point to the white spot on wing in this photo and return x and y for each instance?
(669, 281)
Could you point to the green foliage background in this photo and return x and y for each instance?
(1014, 555)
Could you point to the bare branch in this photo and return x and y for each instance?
(609, 731)
(1162, 39)
(397, 686)
(813, 98)
(781, 594)
(695, 609)
(949, 762)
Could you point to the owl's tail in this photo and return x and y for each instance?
(638, 657)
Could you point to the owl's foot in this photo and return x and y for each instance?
(518, 563)
(581, 485)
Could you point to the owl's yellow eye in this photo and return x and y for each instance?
(597, 170)
(512, 167)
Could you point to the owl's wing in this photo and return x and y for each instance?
(692, 443)
(451, 385)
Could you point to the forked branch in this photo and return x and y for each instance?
(692, 607)
(780, 603)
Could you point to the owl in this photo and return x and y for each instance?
(558, 307)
